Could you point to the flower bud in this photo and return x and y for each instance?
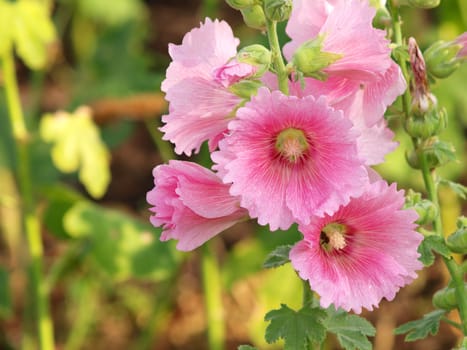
(425, 125)
(309, 59)
(435, 152)
(382, 19)
(424, 4)
(457, 241)
(441, 58)
(446, 298)
(241, 4)
(245, 88)
(257, 56)
(278, 10)
(425, 208)
(254, 17)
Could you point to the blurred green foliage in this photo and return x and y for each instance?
(103, 254)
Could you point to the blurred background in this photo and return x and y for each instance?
(113, 285)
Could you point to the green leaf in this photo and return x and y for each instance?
(351, 330)
(33, 30)
(77, 146)
(278, 257)
(246, 347)
(458, 188)
(60, 200)
(123, 247)
(420, 329)
(432, 243)
(296, 327)
(5, 297)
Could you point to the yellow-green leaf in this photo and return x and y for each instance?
(33, 31)
(77, 146)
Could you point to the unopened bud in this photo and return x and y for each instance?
(257, 56)
(310, 60)
(278, 10)
(432, 152)
(441, 58)
(422, 99)
(254, 17)
(425, 208)
(427, 124)
(241, 4)
(457, 242)
(446, 298)
(382, 19)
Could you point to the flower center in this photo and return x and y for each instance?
(291, 144)
(333, 237)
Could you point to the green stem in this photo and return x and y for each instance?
(276, 56)
(31, 220)
(428, 178)
(213, 297)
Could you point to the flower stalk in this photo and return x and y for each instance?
(213, 298)
(31, 220)
(429, 176)
(276, 56)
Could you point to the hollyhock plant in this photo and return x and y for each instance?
(201, 71)
(365, 251)
(289, 158)
(191, 204)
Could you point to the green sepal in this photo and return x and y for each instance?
(311, 60)
(245, 88)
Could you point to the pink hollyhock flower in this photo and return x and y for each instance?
(196, 86)
(361, 104)
(375, 95)
(346, 26)
(290, 158)
(365, 251)
(191, 204)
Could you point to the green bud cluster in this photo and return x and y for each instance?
(446, 298)
(425, 208)
(457, 241)
(424, 125)
(255, 55)
(434, 152)
(278, 10)
(441, 59)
